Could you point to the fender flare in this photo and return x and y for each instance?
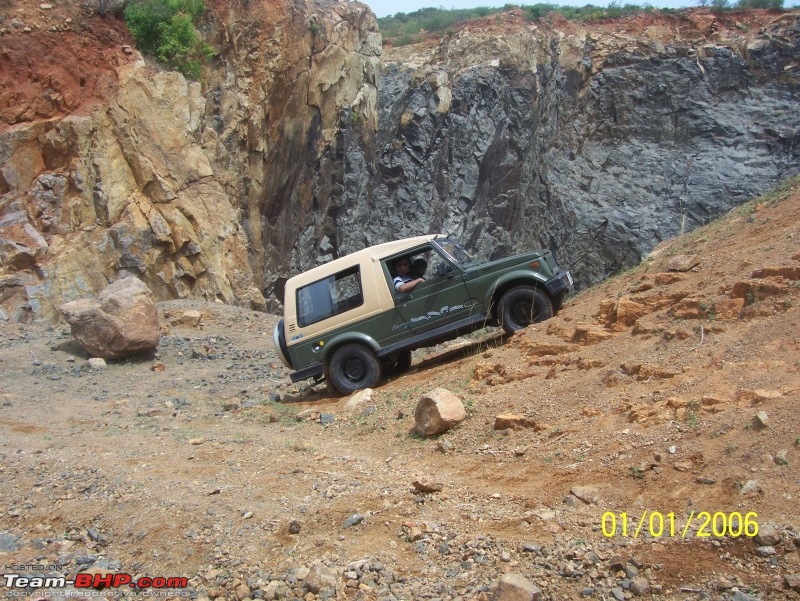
(509, 280)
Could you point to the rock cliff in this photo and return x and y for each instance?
(303, 144)
(595, 140)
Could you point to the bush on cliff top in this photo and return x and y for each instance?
(165, 30)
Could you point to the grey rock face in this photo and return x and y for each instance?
(594, 151)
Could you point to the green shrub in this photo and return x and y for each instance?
(774, 4)
(165, 30)
(403, 40)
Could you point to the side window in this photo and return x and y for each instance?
(329, 296)
(419, 265)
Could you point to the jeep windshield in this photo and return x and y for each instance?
(455, 252)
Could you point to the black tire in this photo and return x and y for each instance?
(523, 305)
(353, 367)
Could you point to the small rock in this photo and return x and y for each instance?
(427, 486)
(750, 487)
(570, 501)
(46, 6)
(204, 351)
(765, 551)
(780, 457)
(326, 418)
(683, 262)
(768, 535)
(510, 421)
(197, 441)
(792, 581)
(320, 578)
(294, 527)
(515, 587)
(704, 480)
(587, 494)
(8, 542)
(353, 520)
(640, 586)
(357, 399)
(192, 317)
(438, 411)
(761, 420)
(445, 446)
(97, 363)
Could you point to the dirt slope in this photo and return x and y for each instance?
(643, 394)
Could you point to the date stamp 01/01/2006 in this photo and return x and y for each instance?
(655, 524)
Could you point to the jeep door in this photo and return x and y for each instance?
(439, 300)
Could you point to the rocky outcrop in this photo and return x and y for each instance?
(122, 191)
(596, 140)
(294, 87)
(174, 186)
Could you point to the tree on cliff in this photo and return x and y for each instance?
(165, 29)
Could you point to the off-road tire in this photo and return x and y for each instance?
(522, 306)
(353, 367)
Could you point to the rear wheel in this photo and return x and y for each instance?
(353, 367)
(522, 306)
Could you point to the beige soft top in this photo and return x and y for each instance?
(376, 253)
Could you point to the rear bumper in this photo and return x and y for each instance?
(560, 284)
(279, 342)
(312, 371)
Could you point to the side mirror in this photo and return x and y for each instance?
(442, 269)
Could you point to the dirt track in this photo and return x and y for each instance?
(202, 469)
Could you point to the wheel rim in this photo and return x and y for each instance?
(354, 369)
(522, 312)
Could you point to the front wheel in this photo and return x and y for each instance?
(353, 367)
(523, 305)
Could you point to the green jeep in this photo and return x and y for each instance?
(346, 321)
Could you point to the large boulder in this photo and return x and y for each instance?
(438, 411)
(120, 321)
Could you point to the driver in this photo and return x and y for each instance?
(403, 282)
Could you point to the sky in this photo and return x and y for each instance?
(385, 8)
